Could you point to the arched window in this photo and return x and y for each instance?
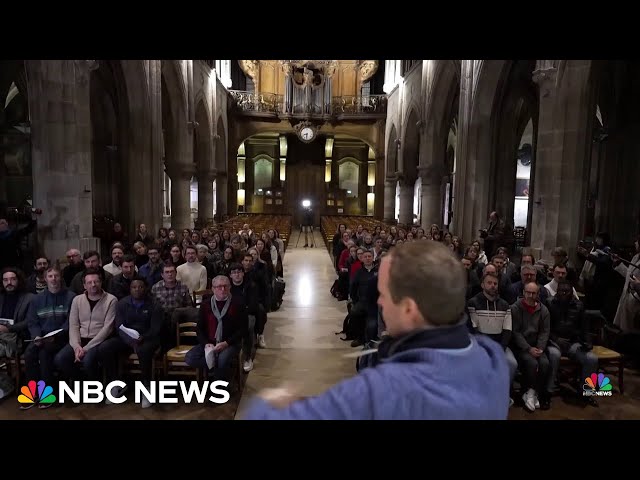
(262, 173)
(348, 176)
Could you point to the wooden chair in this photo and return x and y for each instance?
(610, 358)
(199, 295)
(174, 360)
(131, 364)
(15, 366)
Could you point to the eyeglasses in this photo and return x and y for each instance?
(220, 287)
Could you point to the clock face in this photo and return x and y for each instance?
(307, 133)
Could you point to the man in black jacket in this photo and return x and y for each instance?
(255, 271)
(143, 320)
(244, 288)
(569, 335)
(363, 287)
(10, 253)
(14, 306)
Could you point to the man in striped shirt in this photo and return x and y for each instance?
(490, 315)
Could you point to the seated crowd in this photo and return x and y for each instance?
(80, 321)
(534, 311)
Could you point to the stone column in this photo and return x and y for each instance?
(431, 197)
(61, 154)
(546, 190)
(390, 199)
(405, 214)
(144, 148)
(205, 195)
(221, 194)
(560, 182)
(181, 175)
(463, 222)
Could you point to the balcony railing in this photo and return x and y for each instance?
(271, 104)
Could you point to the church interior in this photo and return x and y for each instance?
(289, 174)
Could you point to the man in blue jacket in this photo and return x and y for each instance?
(48, 313)
(430, 367)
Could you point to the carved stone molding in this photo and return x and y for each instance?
(84, 69)
(180, 170)
(429, 174)
(250, 67)
(546, 79)
(367, 68)
(208, 175)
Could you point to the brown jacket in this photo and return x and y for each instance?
(96, 325)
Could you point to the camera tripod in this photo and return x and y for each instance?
(306, 240)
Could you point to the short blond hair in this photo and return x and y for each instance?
(433, 277)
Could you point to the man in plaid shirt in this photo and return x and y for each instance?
(170, 294)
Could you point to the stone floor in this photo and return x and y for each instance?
(302, 348)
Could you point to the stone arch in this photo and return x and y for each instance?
(516, 107)
(203, 153)
(178, 141)
(110, 127)
(410, 146)
(15, 154)
(221, 147)
(476, 145)
(392, 151)
(222, 169)
(436, 159)
(175, 96)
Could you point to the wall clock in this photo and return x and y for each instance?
(307, 132)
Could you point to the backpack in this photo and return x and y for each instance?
(370, 358)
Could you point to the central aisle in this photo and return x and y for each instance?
(301, 343)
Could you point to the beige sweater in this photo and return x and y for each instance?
(193, 275)
(96, 325)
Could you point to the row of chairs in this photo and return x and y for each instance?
(171, 363)
(329, 225)
(259, 223)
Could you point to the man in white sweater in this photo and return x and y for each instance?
(192, 274)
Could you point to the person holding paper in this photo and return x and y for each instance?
(222, 325)
(138, 324)
(48, 312)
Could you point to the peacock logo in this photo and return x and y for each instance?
(597, 384)
(28, 397)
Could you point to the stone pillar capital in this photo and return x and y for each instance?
(546, 78)
(181, 170)
(207, 175)
(429, 174)
(84, 69)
